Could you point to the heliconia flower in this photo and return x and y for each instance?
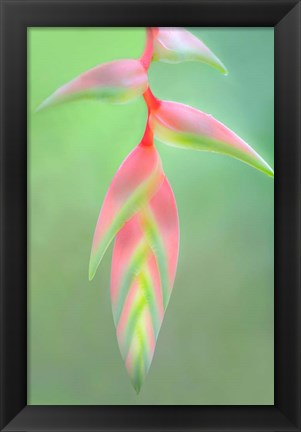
(182, 126)
(148, 241)
(136, 180)
(117, 82)
(139, 208)
(175, 45)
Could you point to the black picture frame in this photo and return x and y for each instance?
(16, 16)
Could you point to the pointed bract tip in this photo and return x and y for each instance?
(224, 70)
(137, 386)
(262, 166)
(270, 171)
(91, 270)
(45, 104)
(39, 108)
(212, 60)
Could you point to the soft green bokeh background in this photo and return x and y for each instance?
(216, 342)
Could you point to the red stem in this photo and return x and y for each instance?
(146, 57)
(151, 101)
(148, 136)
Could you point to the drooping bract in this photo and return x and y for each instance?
(182, 126)
(120, 81)
(175, 45)
(144, 264)
(140, 210)
(136, 180)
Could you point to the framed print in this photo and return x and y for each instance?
(160, 216)
(150, 256)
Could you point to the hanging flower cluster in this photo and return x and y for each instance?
(139, 209)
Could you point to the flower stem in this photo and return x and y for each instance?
(148, 136)
(151, 101)
(146, 57)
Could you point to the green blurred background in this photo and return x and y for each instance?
(216, 342)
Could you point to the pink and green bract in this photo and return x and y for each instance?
(139, 209)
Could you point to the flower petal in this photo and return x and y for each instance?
(137, 291)
(175, 45)
(119, 81)
(183, 126)
(135, 182)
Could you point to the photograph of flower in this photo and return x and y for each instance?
(140, 133)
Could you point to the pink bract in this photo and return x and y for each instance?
(119, 81)
(175, 45)
(182, 126)
(136, 180)
(144, 264)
